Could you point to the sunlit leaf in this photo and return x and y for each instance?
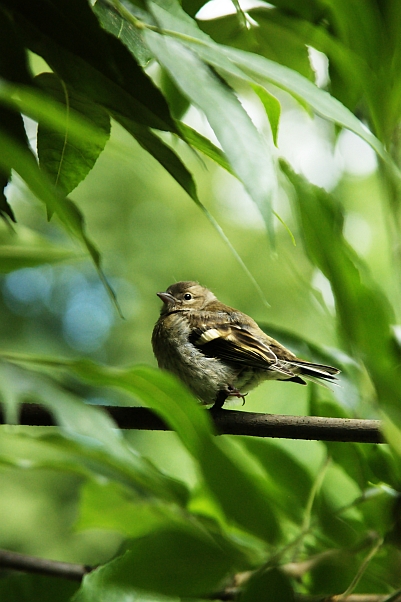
(248, 153)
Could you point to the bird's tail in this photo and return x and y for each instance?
(316, 372)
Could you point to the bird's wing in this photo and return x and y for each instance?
(234, 343)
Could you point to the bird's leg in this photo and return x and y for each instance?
(220, 399)
(233, 392)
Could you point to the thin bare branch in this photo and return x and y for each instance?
(232, 422)
(31, 564)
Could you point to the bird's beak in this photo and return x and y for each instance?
(166, 298)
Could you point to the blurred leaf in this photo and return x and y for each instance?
(227, 470)
(268, 585)
(352, 457)
(333, 573)
(171, 561)
(365, 314)
(287, 475)
(67, 159)
(109, 505)
(88, 440)
(164, 154)
(221, 107)
(15, 257)
(89, 59)
(36, 588)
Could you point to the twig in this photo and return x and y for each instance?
(31, 564)
(232, 422)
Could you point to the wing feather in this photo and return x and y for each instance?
(233, 343)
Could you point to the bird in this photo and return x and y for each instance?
(219, 352)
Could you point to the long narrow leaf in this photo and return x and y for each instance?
(248, 153)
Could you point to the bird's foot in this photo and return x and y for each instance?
(223, 395)
(233, 392)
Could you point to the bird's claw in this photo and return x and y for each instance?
(233, 392)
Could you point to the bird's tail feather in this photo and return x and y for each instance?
(316, 371)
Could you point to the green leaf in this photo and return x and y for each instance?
(265, 71)
(109, 505)
(266, 37)
(164, 155)
(272, 108)
(268, 585)
(37, 588)
(68, 159)
(178, 103)
(13, 68)
(203, 144)
(248, 153)
(16, 257)
(171, 561)
(129, 35)
(286, 474)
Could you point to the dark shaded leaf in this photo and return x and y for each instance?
(164, 155)
(36, 588)
(67, 34)
(291, 482)
(266, 586)
(129, 35)
(67, 159)
(172, 561)
(364, 313)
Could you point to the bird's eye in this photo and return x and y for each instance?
(187, 296)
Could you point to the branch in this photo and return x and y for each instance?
(76, 572)
(30, 564)
(232, 422)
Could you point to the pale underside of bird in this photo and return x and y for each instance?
(220, 352)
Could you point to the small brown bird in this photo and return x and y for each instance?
(218, 351)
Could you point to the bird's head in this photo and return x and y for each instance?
(183, 296)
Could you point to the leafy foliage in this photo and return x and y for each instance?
(274, 519)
